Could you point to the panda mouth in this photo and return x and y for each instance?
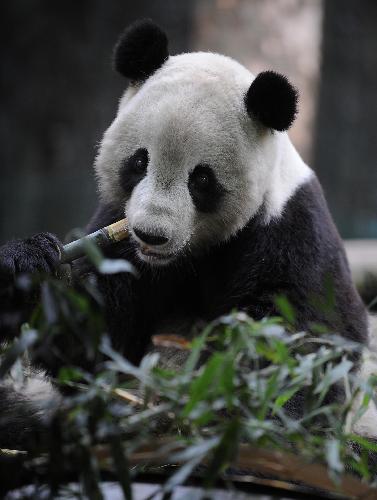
(151, 256)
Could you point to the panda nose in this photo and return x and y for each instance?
(149, 238)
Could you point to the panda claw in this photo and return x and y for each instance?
(40, 253)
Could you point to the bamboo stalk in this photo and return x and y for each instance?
(103, 237)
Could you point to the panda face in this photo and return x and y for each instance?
(185, 159)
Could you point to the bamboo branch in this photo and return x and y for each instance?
(103, 237)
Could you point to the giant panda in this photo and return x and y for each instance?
(223, 213)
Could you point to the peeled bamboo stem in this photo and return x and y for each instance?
(102, 237)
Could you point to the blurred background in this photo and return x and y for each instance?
(59, 94)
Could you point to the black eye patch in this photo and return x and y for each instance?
(133, 170)
(205, 190)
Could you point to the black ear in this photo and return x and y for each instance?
(141, 50)
(272, 100)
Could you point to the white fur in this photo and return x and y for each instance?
(35, 388)
(289, 172)
(192, 111)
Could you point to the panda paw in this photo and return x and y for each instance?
(41, 253)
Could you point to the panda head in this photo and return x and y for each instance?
(193, 152)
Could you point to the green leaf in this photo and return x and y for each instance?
(284, 397)
(285, 308)
(333, 375)
(121, 466)
(226, 381)
(69, 374)
(224, 453)
(364, 442)
(193, 456)
(269, 393)
(200, 449)
(114, 266)
(333, 458)
(90, 474)
(49, 304)
(120, 363)
(200, 387)
(281, 352)
(197, 346)
(182, 474)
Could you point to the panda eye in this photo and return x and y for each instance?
(141, 160)
(200, 177)
(205, 190)
(201, 180)
(133, 170)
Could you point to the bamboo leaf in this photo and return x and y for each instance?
(333, 455)
(285, 308)
(114, 266)
(121, 466)
(203, 383)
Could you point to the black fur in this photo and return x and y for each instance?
(205, 190)
(17, 299)
(20, 420)
(133, 170)
(272, 100)
(141, 50)
(39, 253)
(298, 255)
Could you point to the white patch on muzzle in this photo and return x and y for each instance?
(160, 210)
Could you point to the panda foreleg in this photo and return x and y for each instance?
(39, 253)
(24, 406)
